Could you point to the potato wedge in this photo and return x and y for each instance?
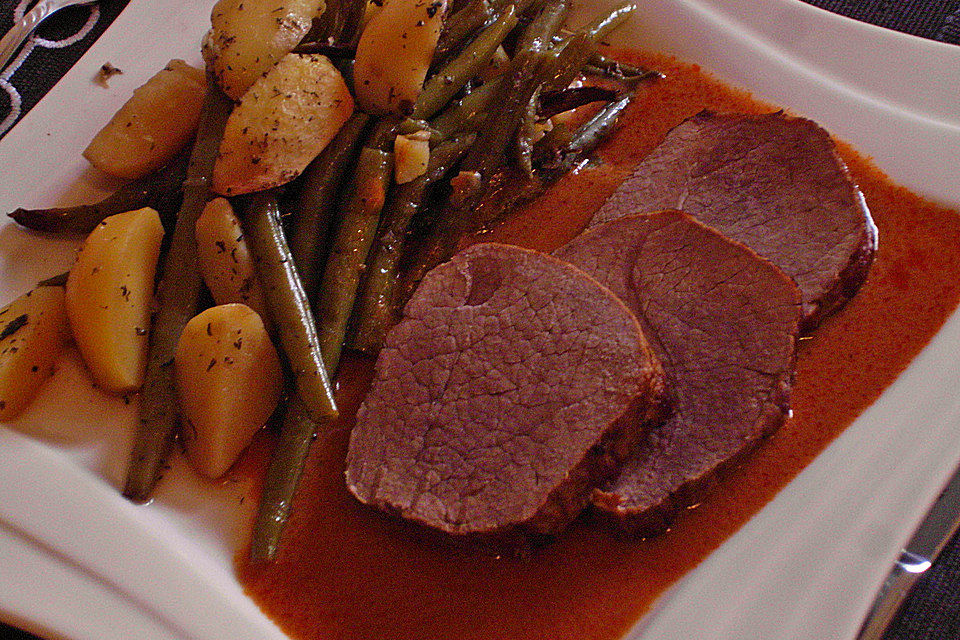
(247, 38)
(152, 126)
(286, 118)
(394, 54)
(224, 258)
(109, 294)
(229, 381)
(33, 330)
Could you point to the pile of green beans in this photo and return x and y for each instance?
(440, 88)
(543, 61)
(359, 243)
(375, 311)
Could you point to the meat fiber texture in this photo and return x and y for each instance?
(724, 324)
(513, 385)
(773, 182)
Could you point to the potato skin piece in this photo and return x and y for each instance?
(153, 126)
(225, 259)
(248, 37)
(229, 380)
(36, 329)
(394, 54)
(282, 123)
(109, 295)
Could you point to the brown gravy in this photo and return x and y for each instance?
(346, 571)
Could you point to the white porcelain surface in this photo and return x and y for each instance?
(79, 562)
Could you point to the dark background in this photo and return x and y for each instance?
(933, 610)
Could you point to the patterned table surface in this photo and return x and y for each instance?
(933, 610)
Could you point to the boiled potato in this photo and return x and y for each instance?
(286, 118)
(224, 258)
(33, 329)
(154, 124)
(109, 295)
(394, 54)
(229, 381)
(248, 37)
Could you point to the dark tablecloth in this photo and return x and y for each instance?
(933, 610)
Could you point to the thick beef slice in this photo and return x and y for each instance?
(513, 385)
(773, 182)
(724, 324)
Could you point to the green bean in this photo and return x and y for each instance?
(178, 294)
(160, 190)
(383, 133)
(572, 54)
(317, 199)
(357, 228)
(539, 33)
(510, 103)
(461, 25)
(594, 131)
(440, 88)
(554, 102)
(353, 19)
(601, 65)
(536, 37)
(525, 133)
(486, 155)
(568, 60)
(297, 432)
(287, 305)
(603, 25)
(375, 309)
(341, 22)
(469, 113)
(513, 187)
(408, 126)
(346, 66)
(331, 21)
(442, 243)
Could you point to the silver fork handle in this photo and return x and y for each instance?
(22, 30)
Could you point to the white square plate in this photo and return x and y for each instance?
(79, 562)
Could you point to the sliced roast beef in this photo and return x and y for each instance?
(773, 182)
(724, 324)
(513, 385)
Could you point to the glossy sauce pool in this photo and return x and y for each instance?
(347, 571)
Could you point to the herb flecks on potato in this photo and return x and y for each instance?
(229, 381)
(247, 38)
(109, 295)
(395, 52)
(142, 136)
(33, 330)
(282, 123)
(224, 258)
